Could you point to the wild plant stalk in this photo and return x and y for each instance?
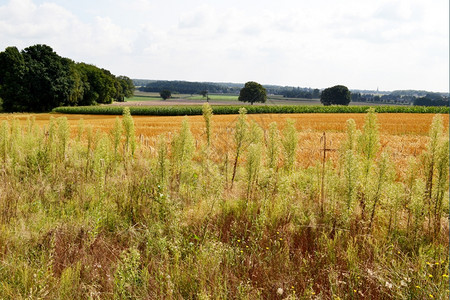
(367, 147)
(182, 151)
(240, 138)
(411, 175)
(441, 180)
(350, 164)
(273, 146)
(128, 125)
(102, 158)
(4, 140)
(89, 149)
(63, 136)
(70, 282)
(31, 124)
(254, 156)
(382, 178)
(128, 277)
(50, 145)
(116, 134)
(436, 157)
(207, 114)
(80, 130)
(162, 162)
(369, 142)
(289, 141)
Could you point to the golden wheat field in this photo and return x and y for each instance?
(403, 134)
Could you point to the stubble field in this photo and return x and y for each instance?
(404, 134)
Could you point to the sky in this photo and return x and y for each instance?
(362, 44)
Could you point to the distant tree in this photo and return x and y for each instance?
(356, 97)
(338, 95)
(431, 100)
(253, 92)
(125, 88)
(316, 93)
(165, 94)
(204, 94)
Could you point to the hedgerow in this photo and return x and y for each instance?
(251, 109)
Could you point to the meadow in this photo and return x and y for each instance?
(224, 206)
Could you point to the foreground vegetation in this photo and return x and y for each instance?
(230, 109)
(101, 216)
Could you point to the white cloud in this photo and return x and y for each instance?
(360, 43)
(24, 23)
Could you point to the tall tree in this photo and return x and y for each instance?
(12, 72)
(253, 92)
(338, 94)
(47, 79)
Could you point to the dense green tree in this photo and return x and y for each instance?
(165, 94)
(316, 93)
(432, 100)
(12, 72)
(126, 87)
(338, 95)
(37, 79)
(47, 79)
(253, 92)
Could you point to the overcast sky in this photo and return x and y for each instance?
(363, 44)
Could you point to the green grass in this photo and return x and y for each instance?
(143, 98)
(251, 109)
(215, 97)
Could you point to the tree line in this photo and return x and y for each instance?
(186, 87)
(429, 99)
(37, 79)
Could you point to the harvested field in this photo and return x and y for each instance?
(404, 134)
